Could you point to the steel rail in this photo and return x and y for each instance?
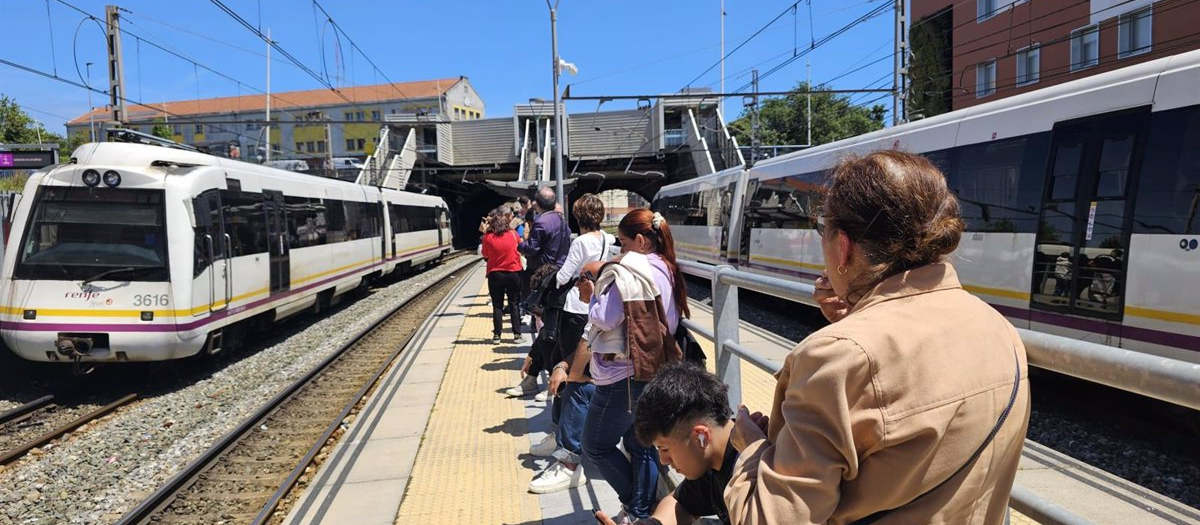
(165, 495)
(72, 425)
(272, 504)
(14, 413)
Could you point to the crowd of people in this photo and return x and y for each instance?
(911, 406)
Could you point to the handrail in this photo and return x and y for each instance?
(1161, 378)
(1158, 377)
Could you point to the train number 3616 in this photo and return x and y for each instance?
(150, 299)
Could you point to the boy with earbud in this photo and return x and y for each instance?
(684, 412)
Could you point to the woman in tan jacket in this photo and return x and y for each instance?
(912, 406)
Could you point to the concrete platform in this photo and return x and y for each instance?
(439, 442)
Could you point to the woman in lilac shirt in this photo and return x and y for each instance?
(610, 416)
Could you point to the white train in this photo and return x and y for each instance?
(136, 252)
(1080, 200)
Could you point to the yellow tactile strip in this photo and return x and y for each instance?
(758, 392)
(467, 470)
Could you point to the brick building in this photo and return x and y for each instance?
(997, 48)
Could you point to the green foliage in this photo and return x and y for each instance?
(17, 127)
(15, 182)
(929, 91)
(784, 121)
(162, 130)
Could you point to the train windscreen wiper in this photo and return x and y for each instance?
(107, 273)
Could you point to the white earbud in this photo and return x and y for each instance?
(703, 440)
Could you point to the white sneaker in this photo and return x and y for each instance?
(525, 387)
(557, 477)
(544, 448)
(542, 396)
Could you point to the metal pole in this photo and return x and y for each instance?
(558, 134)
(725, 328)
(754, 143)
(808, 107)
(268, 128)
(898, 68)
(721, 101)
(116, 69)
(91, 116)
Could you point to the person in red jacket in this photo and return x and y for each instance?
(503, 272)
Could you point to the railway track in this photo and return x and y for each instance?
(245, 476)
(41, 421)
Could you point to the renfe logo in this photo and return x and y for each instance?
(82, 295)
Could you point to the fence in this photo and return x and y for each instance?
(1158, 377)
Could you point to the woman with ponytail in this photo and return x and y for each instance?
(635, 305)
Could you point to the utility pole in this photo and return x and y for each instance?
(91, 108)
(558, 134)
(900, 69)
(754, 141)
(116, 69)
(329, 148)
(721, 100)
(268, 127)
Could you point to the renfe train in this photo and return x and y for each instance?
(1080, 201)
(135, 252)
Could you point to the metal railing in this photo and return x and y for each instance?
(1161, 378)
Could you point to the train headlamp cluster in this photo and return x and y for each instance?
(92, 178)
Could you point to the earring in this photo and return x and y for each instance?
(842, 270)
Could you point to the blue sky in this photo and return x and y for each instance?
(622, 47)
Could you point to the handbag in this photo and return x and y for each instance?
(692, 353)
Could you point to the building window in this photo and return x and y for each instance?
(1029, 65)
(320, 146)
(349, 115)
(985, 78)
(362, 144)
(1085, 47)
(358, 115)
(176, 129)
(985, 9)
(375, 115)
(310, 147)
(198, 129)
(299, 146)
(1133, 33)
(350, 144)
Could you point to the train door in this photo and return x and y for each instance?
(439, 220)
(1087, 207)
(381, 231)
(277, 232)
(211, 289)
(745, 224)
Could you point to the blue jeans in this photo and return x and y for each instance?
(574, 401)
(609, 420)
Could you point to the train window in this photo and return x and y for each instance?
(1114, 167)
(306, 224)
(207, 209)
(1169, 190)
(1066, 172)
(368, 219)
(999, 183)
(245, 221)
(79, 233)
(352, 224)
(335, 221)
(788, 202)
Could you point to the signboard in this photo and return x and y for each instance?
(26, 160)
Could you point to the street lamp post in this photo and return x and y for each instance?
(91, 119)
(558, 141)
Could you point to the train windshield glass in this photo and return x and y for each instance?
(79, 233)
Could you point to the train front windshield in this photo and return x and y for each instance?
(80, 233)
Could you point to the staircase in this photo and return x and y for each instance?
(371, 174)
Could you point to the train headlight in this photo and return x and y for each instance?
(112, 179)
(91, 178)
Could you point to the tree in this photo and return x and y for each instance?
(929, 91)
(162, 130)
(17, 127)
(784, 121)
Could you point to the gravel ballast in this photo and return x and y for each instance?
(109, 466)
